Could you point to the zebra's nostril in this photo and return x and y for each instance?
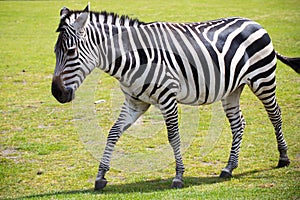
(56, 90)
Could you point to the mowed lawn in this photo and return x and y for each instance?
(43, 151)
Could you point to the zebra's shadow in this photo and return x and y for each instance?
(165, 184)
(158, 185)
(147, 186)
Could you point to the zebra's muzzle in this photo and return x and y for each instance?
(60, 92)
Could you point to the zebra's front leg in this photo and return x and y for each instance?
(130, 112)
(170, 114)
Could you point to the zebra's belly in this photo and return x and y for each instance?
(183, 94)
(195, 100)
(190, 95)
(192, 100)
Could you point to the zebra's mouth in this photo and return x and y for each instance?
(61, 93)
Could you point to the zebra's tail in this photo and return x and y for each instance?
(294, 63)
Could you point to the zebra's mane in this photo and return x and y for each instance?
(116, 19)
(102, 17)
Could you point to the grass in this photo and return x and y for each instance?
(45, 152)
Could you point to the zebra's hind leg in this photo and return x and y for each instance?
(266, 93)
(130, 112)
(231, 105)
(170, 113)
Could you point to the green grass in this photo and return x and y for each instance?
(43, 155)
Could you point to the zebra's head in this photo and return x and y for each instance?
(72, 65)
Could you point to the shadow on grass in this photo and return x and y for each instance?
(145, 186)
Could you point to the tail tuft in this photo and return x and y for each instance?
(294, 63)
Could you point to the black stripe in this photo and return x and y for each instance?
(261, 63)
(221, 23)
(263, 74)
(225, 33)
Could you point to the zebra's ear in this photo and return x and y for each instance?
(82, 19)
(63, 12)
(87, 8)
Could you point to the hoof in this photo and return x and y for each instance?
(100, 184)
(177, 183)
(225, 174)
(283, 162)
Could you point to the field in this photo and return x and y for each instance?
(50, 151)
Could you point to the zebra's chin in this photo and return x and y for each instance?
(62, 94)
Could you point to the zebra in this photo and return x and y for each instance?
(165, 64)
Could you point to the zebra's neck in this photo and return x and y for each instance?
(115, 50)
(112, 33)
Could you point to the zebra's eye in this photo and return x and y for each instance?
(71, 51)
